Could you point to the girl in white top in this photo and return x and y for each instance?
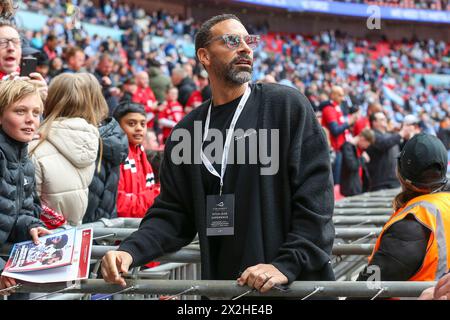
(65, 154)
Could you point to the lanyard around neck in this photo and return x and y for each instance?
(230, 133)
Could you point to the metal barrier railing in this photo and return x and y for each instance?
(229, 288)
(358, 220)
(191, 253)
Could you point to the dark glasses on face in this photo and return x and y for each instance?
(4, 42)
(233, 41)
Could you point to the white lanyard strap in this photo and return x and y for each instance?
(226, 148)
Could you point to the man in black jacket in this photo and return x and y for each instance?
(354, 159)
(103, 73)
(383, 153)
(261, 221)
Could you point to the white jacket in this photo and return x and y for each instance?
(65, 164)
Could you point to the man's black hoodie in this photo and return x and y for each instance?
(296, 203)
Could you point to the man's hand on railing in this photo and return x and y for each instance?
(114, 263)
(262, 277)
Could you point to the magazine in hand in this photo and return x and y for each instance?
(62, 256)
(55, 250)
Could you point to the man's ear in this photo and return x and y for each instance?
(203, 56)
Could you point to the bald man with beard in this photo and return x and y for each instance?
(333, 119)
(144, 95)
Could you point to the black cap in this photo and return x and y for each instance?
(420, 153)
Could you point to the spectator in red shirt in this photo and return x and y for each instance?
(195, 100)
(363, 122)
(333, 119)
(171, 113)
(144, 95)
(136, 192)
(50, 47)
(198, 96)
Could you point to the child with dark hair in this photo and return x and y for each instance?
(137, 191)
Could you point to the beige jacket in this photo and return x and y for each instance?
(65, 164)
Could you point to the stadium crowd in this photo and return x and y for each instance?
(371, 97)
(154, 64)
(390, 76)
(410, 4)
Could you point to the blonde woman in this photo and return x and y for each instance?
(65, 155)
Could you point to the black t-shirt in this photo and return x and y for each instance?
(233, 254)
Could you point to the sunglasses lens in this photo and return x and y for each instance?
(252, 41)
(232, 41)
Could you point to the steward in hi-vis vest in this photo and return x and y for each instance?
(433, 212)
(414, 244)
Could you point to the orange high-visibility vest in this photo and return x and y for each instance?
(433, 212)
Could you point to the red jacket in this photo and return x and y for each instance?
(137, 190)
(50, 54)
(4, 74)
(333, 113)
(195, 99)
(146, 97)
(173, 111)
(360, 124)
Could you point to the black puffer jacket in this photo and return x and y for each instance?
(2, 264)
(18, 210)
(103, 188)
